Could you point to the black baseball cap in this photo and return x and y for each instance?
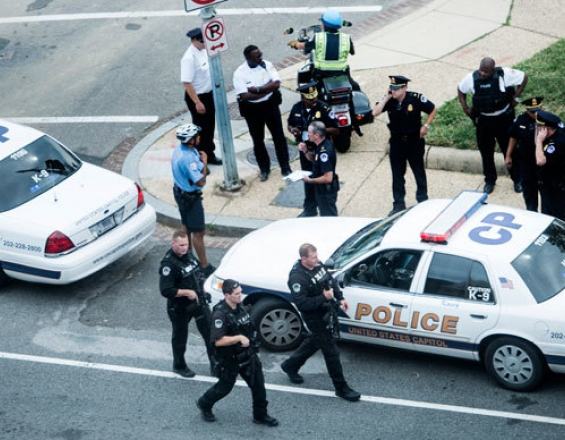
(194, 33)
(229, 286)
(548, 119)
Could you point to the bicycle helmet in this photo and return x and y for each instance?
(332, 19)
(186, 132)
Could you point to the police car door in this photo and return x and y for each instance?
(379, 292)
(455, 304)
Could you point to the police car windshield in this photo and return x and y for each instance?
(542, 264)
(364, 240)
(34, 169)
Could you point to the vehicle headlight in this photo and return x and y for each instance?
(216, 283)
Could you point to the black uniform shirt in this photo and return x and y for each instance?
(406, 117)
(300, 117)
(553, 172)
(324, 159)
(306, 289)
(178, 273)
(230, 322)
(523, 130)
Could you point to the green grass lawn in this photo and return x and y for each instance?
(546, 72)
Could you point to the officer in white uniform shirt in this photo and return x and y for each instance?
(195, 77)
(257, 83)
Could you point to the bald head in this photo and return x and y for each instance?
(486, 68)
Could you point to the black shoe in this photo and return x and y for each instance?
(348, 394)
(184, 372)
(518, 187)
(286, 172)
(207, 414)
(266, 420)
(395, 210)
(488, 188)
(307, 214)
(263, 176)
(215, 161)
(208, 270)
(293, 376)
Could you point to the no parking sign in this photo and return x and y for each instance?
(214, 32)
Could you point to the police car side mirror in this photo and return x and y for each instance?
(330, 264)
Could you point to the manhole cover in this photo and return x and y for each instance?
(291, 196)
(292, 153)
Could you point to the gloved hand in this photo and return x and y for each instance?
(293, 44)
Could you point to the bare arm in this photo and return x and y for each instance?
(378, 109)
(463, 101)
(226, 341)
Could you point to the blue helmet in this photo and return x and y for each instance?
(332, 19)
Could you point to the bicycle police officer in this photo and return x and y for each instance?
(234, 337)
(313, 290)
(307, 110)
(180, 282)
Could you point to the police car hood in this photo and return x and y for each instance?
(78, 202)
(265, 256)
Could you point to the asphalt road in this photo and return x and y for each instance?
(115, 321)
(121, 66)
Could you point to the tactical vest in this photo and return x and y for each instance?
(331, 51)
(488, 98)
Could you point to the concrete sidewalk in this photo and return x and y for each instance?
(436, 46)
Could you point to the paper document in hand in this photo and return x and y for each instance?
(297, 175)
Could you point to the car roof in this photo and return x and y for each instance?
(15, 137)
(474, 235)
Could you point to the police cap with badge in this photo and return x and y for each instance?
(532, 104)
(398, 81)
(195, 34)
(308, 90)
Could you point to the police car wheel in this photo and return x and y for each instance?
(514, 364)
(4, 279)
(278, 324)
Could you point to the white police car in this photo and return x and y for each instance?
(62, 219)
(459, 278)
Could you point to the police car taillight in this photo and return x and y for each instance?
(58, 243)
(140, 198)
(343, 121)
(453, 216)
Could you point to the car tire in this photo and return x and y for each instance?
(278, 324)
(343, 139)
(4, 279)
(515, 364)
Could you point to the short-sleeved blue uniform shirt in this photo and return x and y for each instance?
(187, 168)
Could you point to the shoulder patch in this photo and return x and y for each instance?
(296, 287)
(194, 166)
(324, 157)
(165, 271)
(423, 98)
(218, 323)
(550, 149)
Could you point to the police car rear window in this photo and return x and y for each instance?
(33, 170)
(542, 264)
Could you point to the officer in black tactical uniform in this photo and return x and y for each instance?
(320, 151)
(495, 91)
(522, 146)
(407, 137)
(235, 340)
(180, 282)
(307, 110)
(550, 156)
(316, 295)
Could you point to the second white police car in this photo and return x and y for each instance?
(454, 277)
(62, 219)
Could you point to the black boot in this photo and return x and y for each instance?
(206, 413)
(345, 392)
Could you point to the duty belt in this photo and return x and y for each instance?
(186, 193)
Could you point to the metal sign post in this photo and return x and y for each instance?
(213, 31)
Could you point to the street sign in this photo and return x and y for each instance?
(192, 5)
(214, 32)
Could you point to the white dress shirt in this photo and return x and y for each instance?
(245, 76)
(194, 69)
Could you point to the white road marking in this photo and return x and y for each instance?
(181, 13)
(289, 389)
(85, 119)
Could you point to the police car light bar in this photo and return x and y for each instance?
(453, 216)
